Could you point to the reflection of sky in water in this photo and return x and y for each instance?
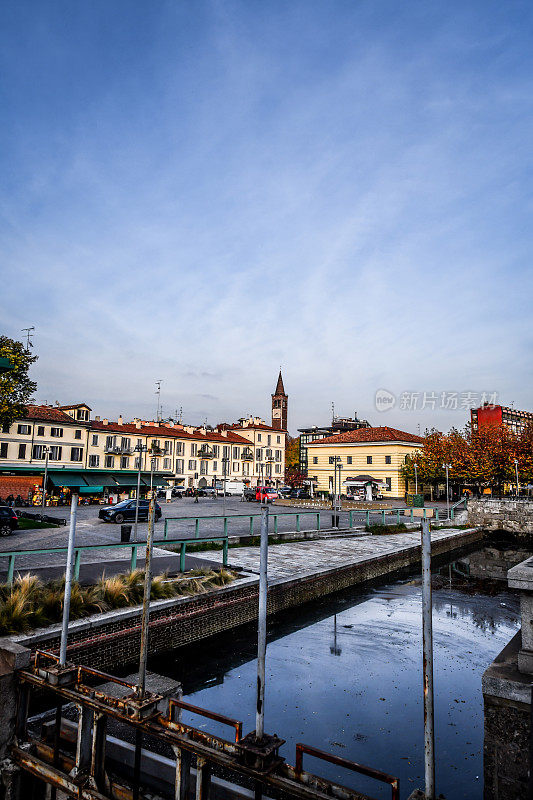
(359, 694)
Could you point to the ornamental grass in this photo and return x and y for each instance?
(28, 603)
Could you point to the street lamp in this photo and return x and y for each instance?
(516, 470)
(225, 461)
(416, 479)
(140, 448)
(447, 467)
(43, 501)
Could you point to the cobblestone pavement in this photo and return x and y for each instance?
(287, 560)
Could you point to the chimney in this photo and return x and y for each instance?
(97, 419)
(224, 433)
(138, 424)
(120, 421)
(105, 422)
(189, 428)
(203, 431)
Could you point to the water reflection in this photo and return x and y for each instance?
(344, 674)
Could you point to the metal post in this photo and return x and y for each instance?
(68, 579)
(147, 589)
(517, 484)
(447, 467)
(416, 479)
(224, 486)
(141, 448)
(262, 626)
(427, 637)
(43, 501)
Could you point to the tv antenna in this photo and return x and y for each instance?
(29, 336)
(332, 413)
(158, 393)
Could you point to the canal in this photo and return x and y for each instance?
(345, 674)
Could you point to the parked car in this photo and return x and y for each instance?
(125, 511)
(266, 494)
(177, 493)
(209, 491)
(284, 491)
(8, 521)
(250, 494)
(300, 494)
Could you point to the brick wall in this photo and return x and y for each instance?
(112, 640)
(18, 484)
(506, 749)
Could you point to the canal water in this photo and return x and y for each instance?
(345, 674)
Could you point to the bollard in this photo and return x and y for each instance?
(183, 547)
(133, 559)
(251, 525)
(297, 522)
(77, 562)
(196, 527)
(225, 552)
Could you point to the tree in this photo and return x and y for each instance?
(292, 452)
(16, 388)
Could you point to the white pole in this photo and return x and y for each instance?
(427, 638)
(68, 579)
(138, 493)
(43, 502)
(416, 479)
(145, 621)
(262, 626)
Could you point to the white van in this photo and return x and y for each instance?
(232, 488)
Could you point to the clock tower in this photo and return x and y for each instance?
(279, 406)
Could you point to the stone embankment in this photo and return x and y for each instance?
(513, 516)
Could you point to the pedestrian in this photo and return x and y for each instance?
(196, 495)
(168, 494)
(10, 500)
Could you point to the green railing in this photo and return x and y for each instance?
(133, 546)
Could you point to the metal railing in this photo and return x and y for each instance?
(133, 546)
(74, 760)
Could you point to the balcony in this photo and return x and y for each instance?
(117, 450)
(247, 455)
(205, 452)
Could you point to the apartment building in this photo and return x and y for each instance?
(268, 448)
(487, 415)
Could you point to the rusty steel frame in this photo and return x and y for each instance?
(86, 778)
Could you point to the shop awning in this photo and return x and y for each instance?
(99, 479)
(71, 480)
(161, 480)
(91, 489)
(125, 480)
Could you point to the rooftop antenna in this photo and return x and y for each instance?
(181, 414)
(158, 393)
(29, 335)
(332, 413)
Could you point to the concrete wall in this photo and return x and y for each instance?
(514, 516)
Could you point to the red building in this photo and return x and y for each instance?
(488, 414)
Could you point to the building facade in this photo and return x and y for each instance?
(109, 454)
(375, 453)
(488, 415)
(338, 425)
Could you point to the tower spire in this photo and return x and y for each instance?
(279, 405)
(280, 389)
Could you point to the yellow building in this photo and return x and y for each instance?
(376, 453)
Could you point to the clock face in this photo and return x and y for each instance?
(276, 412)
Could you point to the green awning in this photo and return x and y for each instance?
(5, 364)
(91, 489)
(161, 480)
(71, 480)
(99, 479)
(124, 480)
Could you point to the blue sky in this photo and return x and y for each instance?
(201, 192)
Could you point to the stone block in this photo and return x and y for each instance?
(13, 656)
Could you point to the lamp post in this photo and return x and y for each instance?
(416, 479)
(224, 472)
(447, 467)
(339, 503)
(516, 471)
(43, 501)
(155, 453)
(140, 448)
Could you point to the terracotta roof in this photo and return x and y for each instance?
(164, 432)
(51, 413)
(383, 434)
(77, 405)
(225, 426)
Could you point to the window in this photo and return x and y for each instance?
(5, 427)
(137, 462)
(94, 440)
(194, 448)
(55, 453)
(139, 443)
(258, 437)
(24, 429)
(388, 482)
(315, 460)
(226, 451)
(278, 468)
(57, 432)
(278, 439)
(167, 463)
(76, 453)
(82, 414)
(125, 443)
(38, 451)
(203, 467)
(180, 464)
(124, 462)
(236, 452)
(278, 455)
(40, 430)
(216, 450)
(109, 442)
(215, 466)
(258, 454)
(388, 460)
(331, 459)
(192, 464)
(109, 461)
(269, 453)
(3, 449)
(94, 461)
(348, 459)
(77, 434)
(22, 451)
(235, 466)
(168, 447)
(269, 439)
(369, 459)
